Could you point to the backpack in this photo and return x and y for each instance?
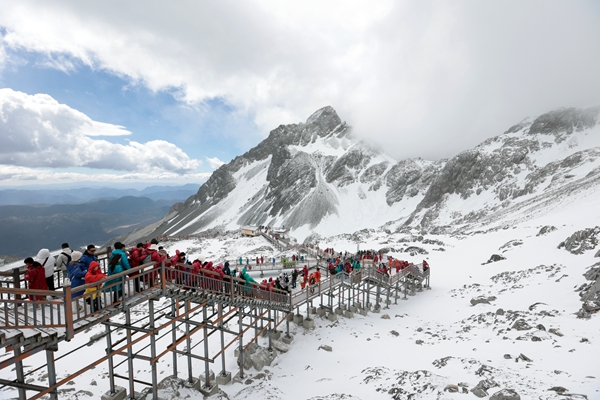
(68, 259)
(312, 280)
(147, 259)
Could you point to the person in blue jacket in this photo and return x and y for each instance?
(88, 256)
(76, 271)
(117, 264)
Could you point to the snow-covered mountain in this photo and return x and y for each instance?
(317, 177)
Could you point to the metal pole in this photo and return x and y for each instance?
(111, 368)
(51, 373)
(129, 353)
(223, 372)
(174, 336)
(241, 339)
(269, 330)
(206, 368)
(153, 351)
(188, 341)
(20, 374)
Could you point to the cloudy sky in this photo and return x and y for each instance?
(149, 91)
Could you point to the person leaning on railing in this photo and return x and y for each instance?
(35, 277)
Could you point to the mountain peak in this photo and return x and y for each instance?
(565, 120)
(325, 117)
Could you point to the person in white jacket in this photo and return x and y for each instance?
(47, 260)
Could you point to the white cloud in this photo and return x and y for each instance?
(39, 132)
(424, 78)
(10, 174)
(214, 162)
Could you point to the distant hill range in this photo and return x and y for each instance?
(85, 194)
(102, 215)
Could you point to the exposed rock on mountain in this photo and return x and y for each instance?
(317, 177)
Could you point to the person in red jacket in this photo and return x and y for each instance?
(305, 273)
(94, 275)
(318, 275)
(36, 277)
(156, 257)
(136, 258)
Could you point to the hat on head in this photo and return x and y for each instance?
(93, 265)
(76, 255)
(153, 247)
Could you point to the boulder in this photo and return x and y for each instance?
(326, 348)
(262, 358)
(505, 394)
(494, 258)
(482, 300)
(451, 388)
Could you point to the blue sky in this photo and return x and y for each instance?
(142, 91)
(201, 130)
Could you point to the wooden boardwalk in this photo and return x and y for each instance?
(29, 326)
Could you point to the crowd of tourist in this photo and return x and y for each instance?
(83, 268)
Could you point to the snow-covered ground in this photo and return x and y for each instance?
(434, 339)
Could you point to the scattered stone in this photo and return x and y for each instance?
(558, 389)
(581, 241)
(419, 342)
(541, 327)
(523, 357)
(385, 316)
(505, 394)
(394, 333)
(479, 392)
(556, 332)
(521, 325)
(494, 258)
(93, 383)
(507, 356)
(280, 346)
(500, 311)
(534, 305)
(536, 339)
(584, 340)
(482, 300)
(545, 230)
(451, 388)
(326, 348)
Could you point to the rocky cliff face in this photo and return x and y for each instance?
(314, 175)
(538, 158)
